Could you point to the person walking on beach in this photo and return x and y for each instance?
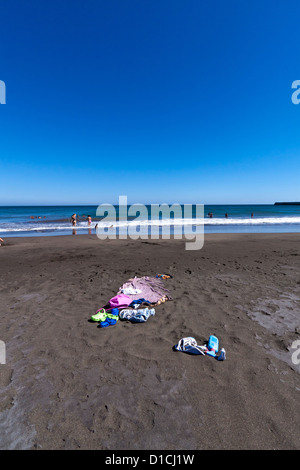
(73, 219)
(1, 241)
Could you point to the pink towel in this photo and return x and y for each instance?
(152, 288)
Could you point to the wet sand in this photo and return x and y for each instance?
(68, 384)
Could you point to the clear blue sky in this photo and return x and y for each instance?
(160, 100)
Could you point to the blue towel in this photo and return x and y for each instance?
(134, 303)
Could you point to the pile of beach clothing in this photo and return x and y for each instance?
(135, 301)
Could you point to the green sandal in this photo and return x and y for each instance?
(100, 315)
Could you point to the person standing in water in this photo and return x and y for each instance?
(73, 220)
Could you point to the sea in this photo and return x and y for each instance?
(24, 221)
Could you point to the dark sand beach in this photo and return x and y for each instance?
(68, 384)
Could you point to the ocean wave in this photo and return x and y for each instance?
(208, 221)
(60, 226)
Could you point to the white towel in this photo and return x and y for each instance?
(190, 346)
(130, 291)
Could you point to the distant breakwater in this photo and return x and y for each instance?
(287, 204)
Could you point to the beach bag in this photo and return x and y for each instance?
(120, 301)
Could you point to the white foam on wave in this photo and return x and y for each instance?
(205, 221)
(38, 227)
(252, 221)
(61, 226)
